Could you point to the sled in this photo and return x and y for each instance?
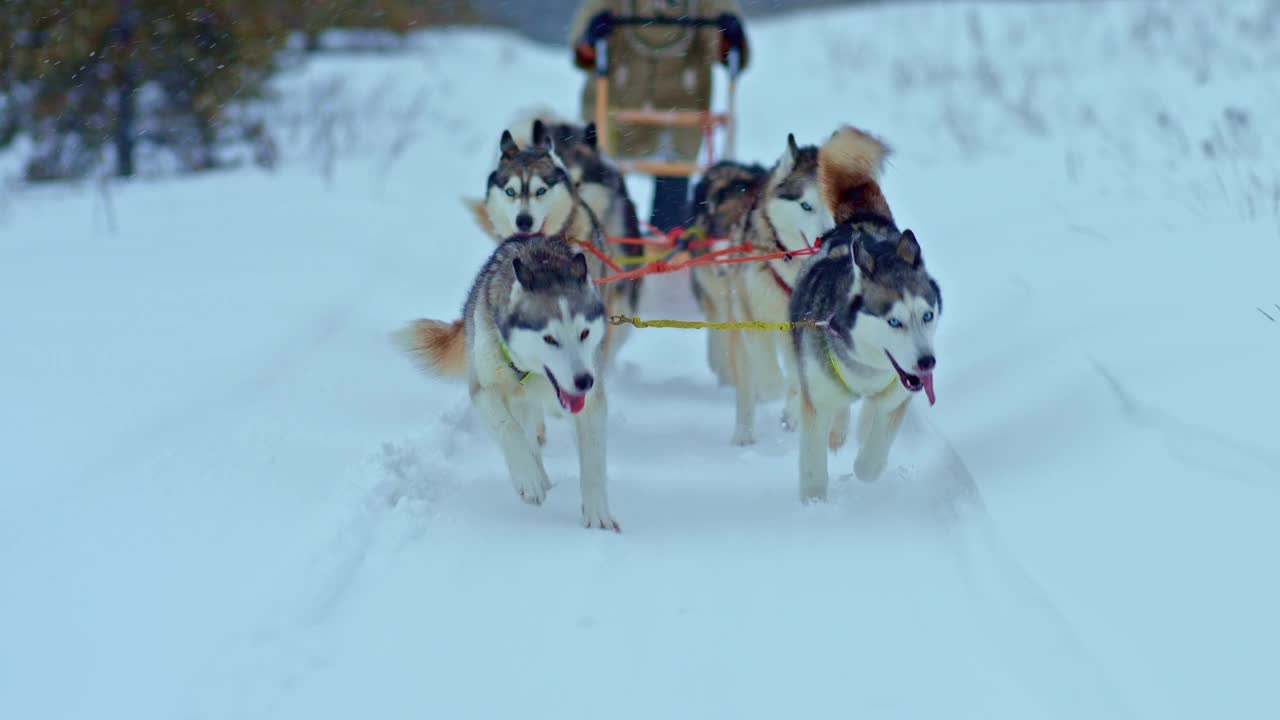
(607, 117)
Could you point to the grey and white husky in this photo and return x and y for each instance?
(529, 191)
(529, 341)
(788, 215)
(870, 284)
(532, 189)
(722, 197)
(602, 188)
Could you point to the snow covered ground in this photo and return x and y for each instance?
(225, 495)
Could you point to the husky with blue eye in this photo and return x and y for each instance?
(530, 191)
(530, 341)
(559, 183)
(787, 215)
(722, 197)
(881, 306)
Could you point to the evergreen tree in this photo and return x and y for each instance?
(91, 81)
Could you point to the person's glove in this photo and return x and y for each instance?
(732, 35)
(598, 28)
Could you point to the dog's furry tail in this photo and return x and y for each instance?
(481, 215)
(849, 166)
(437, 347)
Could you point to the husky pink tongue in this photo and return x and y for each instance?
(927, 381)
(572, 403)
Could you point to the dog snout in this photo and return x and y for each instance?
(926, 363)
(583, 382)
(524, 222)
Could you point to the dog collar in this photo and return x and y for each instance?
(506, 354)
(778, 279)
(835, 367)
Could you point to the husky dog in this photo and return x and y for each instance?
(870, 285)
(532, 191)
(788, 215)
(530, 340)
(599, 182)
(602, 188)
(721, 199)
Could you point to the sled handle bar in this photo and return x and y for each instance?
(602, 58)
(733, 62)
(662, 21)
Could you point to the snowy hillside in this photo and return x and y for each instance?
(223, 493)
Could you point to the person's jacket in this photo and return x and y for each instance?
(656, 67)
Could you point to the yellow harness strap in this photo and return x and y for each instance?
(839, 374)
(696, 324)
(639, 259)
(506, 354)
(696, 232)
(835, 367)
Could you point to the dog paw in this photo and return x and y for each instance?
(837, 438)
(743, 438)
(533, 490)
(597, 517)
(869, 469)
(791, 411)
(813, 491)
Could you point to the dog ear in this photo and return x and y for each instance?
(909, 249)
(524, 275)
(541, 137)
(788, 159)
(589, 135)
(578, 267)
(863, 260)
(508, 145)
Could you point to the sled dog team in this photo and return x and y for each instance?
(534, 336)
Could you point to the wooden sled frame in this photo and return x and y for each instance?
(707, 121)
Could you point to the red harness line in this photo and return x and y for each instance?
(716, 257)
(667, 239)
(782, 284)
(591, 247)
(808, 250)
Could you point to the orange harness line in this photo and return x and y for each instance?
(649, 242)
(591, 247)
(671, 239)
(664, 243)
(712, 258)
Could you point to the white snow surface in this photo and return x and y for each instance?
(225, 494)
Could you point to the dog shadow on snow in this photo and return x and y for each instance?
(926, 483)
(927, 486)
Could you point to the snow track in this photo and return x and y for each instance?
(225, 494)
